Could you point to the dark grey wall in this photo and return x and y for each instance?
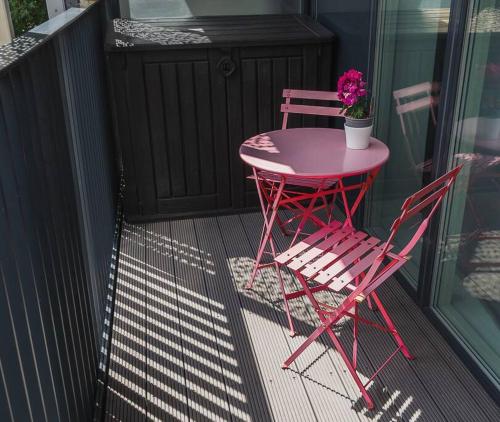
(350, 21)
(57, 221)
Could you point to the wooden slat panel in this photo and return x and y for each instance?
(204, 116)
(264, 101)
(295, 80)
(249, 110)
(174, 131)
(280, 81)
(221, 140)
(122, 131)
(140, 134)
(189, 124)
(310, 77)
(235, 130)
(156, 114)
(174, 206)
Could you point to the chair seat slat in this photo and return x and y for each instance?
(320, 248)
(341, 282)
(307, 242)
(303, 94)
(309, 109)
(347, 260)
(334, 254)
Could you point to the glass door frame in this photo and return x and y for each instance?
(450, 81)
(457, 30)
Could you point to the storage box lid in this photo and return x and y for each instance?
(208, 32)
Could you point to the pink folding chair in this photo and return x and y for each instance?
(269, 182)
(345, 259)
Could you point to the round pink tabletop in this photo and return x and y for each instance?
(311, 152)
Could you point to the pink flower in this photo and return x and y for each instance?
(351, 87)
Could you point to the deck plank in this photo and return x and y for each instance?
(289, 399)
(167, 398)
(190, 343)
(126, 389)
(247, 397)
(199, 327)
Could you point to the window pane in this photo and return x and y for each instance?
(468, 273)
(142, 9)
(409, 59)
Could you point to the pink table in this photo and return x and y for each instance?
(315, 153)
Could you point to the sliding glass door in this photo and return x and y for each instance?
(467, 274)
(409, 57)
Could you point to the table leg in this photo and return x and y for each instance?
(270, 213)
(307, 214)
(362, 192)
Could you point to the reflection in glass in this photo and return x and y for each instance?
(467, 290)
(409, 60)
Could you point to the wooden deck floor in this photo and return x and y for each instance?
(189, 343)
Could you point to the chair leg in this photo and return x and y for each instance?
(316, 333)
(287, 308)
(392, 327)
(355, 338)
(351, 368)
(326, 326)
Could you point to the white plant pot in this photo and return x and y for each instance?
(357, 137)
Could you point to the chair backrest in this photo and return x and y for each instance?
(288, 107)
(409, 102)
(413, 98)
(426, 201)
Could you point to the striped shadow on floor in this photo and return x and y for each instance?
(190, 343)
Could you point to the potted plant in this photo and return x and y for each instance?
(356, 108)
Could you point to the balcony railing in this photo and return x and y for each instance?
(58, 201)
